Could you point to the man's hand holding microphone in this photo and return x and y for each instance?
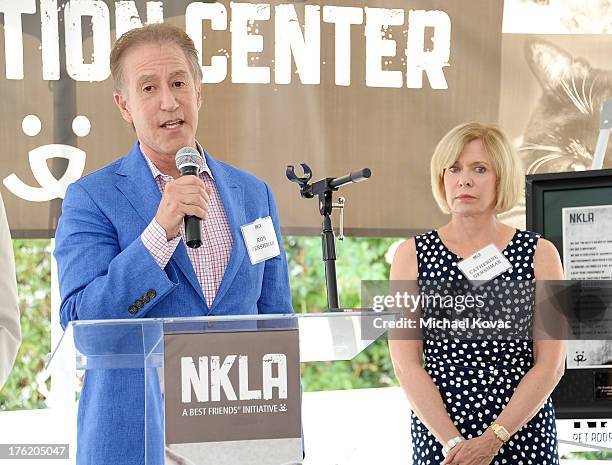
(185, 199)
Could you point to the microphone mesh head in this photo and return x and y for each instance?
(189, 156)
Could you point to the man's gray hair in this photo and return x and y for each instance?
(154, 34)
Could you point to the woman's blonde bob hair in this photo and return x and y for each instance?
(503, 156)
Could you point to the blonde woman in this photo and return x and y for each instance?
(485, 401)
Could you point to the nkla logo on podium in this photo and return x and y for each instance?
(219, 385)
(209, 379)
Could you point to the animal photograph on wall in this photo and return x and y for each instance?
(553, 89)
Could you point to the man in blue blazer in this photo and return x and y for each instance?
(120, 248)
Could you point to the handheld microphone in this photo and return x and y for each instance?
(189, 163)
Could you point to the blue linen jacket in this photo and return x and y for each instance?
(105, 270)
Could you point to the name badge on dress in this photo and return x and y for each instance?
(484, 265)
(260, 240)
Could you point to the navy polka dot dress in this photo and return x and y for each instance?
(477, 377)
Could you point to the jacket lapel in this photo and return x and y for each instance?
(139, 187)
(232, 196)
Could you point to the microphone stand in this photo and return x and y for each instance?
(324, 189)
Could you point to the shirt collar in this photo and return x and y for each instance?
(156, 172)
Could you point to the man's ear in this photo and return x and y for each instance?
(121, 103)
(199, 96)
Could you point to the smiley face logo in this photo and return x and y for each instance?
(50, 187)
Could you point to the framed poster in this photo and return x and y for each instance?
(586, 389)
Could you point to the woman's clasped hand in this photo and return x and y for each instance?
(477, 451)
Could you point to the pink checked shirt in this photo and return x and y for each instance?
(210, 259)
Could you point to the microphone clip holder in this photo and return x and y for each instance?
(322, 188)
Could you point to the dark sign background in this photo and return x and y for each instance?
(264, 127)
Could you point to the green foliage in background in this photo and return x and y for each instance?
(589, 456)
(357, 259)
(33, 267)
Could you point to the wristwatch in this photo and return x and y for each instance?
(501, 432)
(450, 444)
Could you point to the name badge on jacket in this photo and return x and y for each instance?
(260, 240)
(484, 265)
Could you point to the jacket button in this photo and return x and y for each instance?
(133, 309)
(151, 294)
(139, 303)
